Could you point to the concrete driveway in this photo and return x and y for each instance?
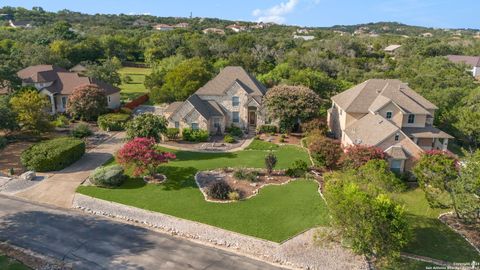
(59, 188)
(90, 242)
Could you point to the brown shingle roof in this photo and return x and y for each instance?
(370, 130)
(64, 81)
(473, 61)
(426, 132)
(227, 78)
(396, 152)
(360, 98)
(206, 108)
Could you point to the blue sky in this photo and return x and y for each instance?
(434, 13)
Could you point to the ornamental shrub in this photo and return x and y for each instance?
(270, 162)
(243, 174)
(81, 131)
(108, 176)
(316, 124)
(195, 135)
(267, 129)
(234, 196)
(87, 102)
(229, 138)
(234, 131)
(146, 125)
(53, 155)
(140, 153)
(219, 190)
(298, 169)
(172, 133)
(325, 152)
(61, 121)
(358, 155)
(112, 121)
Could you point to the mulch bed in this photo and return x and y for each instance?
(292, 138)
(245, 188)
(469, 231)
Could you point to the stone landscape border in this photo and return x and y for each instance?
(32, 259)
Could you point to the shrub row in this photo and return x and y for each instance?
(112, 121)
(172, 133)
(234, 131)
(267, 129)
(195, 135)
(53, 155)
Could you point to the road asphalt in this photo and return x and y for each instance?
(91, 242)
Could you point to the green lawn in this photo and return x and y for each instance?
(136, 87)
(432, 238)
(10, 264)
(276, 213)
(406, 264)
(262, 145)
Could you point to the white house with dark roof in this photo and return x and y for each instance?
(233, 97)
(390, 115)
(58, 83)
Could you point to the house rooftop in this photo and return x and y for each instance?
(370, 130)
(473, 61)
(373, 94)
(392, 48)
(227, 78)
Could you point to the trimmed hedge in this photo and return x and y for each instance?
(53, 155)
(267, 129)
(195, 135)
(108, 176)
(112, 121)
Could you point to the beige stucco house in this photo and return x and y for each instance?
(233, 97)
(58, 83)
(390, 115)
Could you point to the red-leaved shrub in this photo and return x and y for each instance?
(357, 155)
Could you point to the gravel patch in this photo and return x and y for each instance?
(15, 185)
(298, 252)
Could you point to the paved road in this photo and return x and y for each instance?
(90, 242)
(59, 189)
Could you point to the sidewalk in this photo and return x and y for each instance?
(59, 188)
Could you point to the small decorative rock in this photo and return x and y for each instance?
(28, 176)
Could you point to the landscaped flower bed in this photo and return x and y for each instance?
(245, 188)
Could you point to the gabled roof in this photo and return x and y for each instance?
(392, 48)
(63, 81)
(360, 98)
(370, 130)
(396, 152)
(206, 108)
(426, 132)
(473, 61)
(228, 77)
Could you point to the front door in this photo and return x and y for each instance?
(252, 118)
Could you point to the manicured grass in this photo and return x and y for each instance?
(432, 238)
(276, 213)
(136, 88)
(10, 264)
(406, 264)
(262, 145)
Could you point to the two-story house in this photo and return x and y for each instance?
(390, 115)
(233, 97)
(58, 83)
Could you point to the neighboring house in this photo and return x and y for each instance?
(233, 97)
(391, 49)
(389, 115)
(428, 34)
(163, 27)
(236, 28)
(79, 68)
(58, 83)
(182, 25)
(213, 31)
(472, 61)
(303, 31)
(20, 24)
(304, 37)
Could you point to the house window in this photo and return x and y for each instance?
(235, 101)
(177, 124)
(397, 137)
(411, 118)
(64, 102)
(109, 99)
(194, 126)
(236, 117)
(389, 115)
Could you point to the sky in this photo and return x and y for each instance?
(430, 13)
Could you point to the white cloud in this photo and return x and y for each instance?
(276, 13)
